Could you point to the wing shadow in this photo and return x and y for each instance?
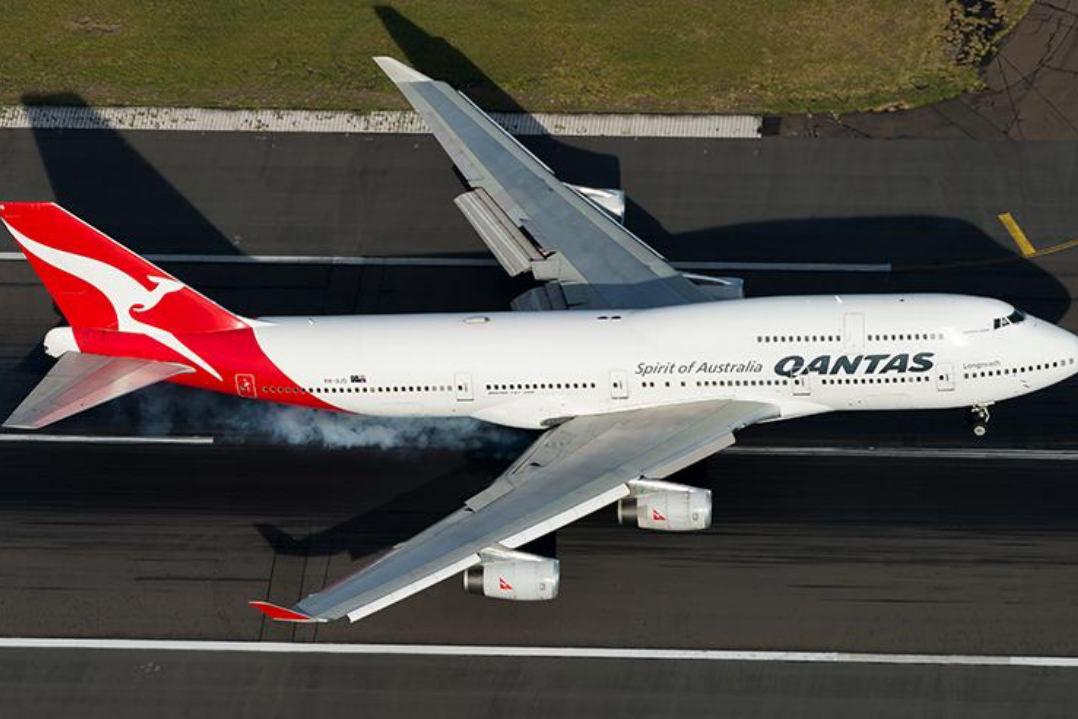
(376, 529)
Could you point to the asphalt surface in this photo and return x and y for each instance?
(140, 684)
(947, 556)
(926, 556)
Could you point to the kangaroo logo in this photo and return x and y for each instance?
(126, 295)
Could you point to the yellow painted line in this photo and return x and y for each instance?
(945, 266)
(1017, 235)
(1057, 248)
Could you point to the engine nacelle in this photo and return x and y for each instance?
(612, 202)
(516, 576)
(666, 507)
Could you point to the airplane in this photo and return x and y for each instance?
(630, 369)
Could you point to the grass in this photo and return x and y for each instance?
(771, 56)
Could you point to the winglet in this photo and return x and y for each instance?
(283, 614)
(397, 71)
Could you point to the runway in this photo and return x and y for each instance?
(905, 553)
(806, 553)
(142, 683)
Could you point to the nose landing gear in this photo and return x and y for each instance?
(978, 419)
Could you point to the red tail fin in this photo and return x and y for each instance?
(99, 284)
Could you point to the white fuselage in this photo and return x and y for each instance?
(803, 354)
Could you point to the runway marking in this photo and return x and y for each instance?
(1019, 237)
(1055, 455)
(785, 266)
(103, 439)
(1068, 455)
(479, 262)
(452, 650)
(1056, 248)
(1025, 247)
(195, 119)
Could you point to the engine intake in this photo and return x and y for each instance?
(666, 507)
(516, 576)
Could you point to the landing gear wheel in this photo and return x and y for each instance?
(978, 420)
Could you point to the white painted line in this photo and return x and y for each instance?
(1065, 455)
(104, 439)
(326, 260)
(785, 266)
(477, 262)
(1055, 455)
(194, 119)
(721, 655)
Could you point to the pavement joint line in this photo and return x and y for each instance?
(910, 452)
(769, 450)
(195, 119)
(722, 655)
(477, 262)
(1024, 245)
(103, 439)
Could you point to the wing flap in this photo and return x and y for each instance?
(79, 381)
(514, 252)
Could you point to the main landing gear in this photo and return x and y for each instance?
(978, 419)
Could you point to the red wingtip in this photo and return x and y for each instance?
(281, 614)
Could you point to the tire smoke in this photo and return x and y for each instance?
(165, 410)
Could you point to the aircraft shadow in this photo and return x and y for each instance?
(437, 57)
(377, 528)
(99, 175)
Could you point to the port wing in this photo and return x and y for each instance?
(572, 470)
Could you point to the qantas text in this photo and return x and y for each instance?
(845, 364)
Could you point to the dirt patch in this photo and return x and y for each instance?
(977, 26)
(90, 26)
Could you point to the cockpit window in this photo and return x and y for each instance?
(1011, 319)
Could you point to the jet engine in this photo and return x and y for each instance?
(516, 576)
(666, 507)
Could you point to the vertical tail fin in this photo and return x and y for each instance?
(99, 284)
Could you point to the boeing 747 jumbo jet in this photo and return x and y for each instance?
(631, 370)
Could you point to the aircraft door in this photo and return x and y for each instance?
(802, 388)
(619, 384)
(853, 332)
(463, 384)
(944, 377)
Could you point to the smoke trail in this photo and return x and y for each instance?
(164, 410)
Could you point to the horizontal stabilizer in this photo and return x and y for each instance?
(283, 614)
(79, 381)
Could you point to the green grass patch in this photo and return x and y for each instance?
(769, 56)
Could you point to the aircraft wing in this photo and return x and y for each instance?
(532, 221)
(570, 471)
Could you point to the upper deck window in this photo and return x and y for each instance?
(1011, 319)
